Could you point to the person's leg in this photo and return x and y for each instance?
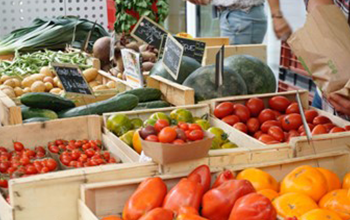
(259, 24)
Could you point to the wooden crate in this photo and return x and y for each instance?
(30, 196)
(198, 111)
(214, 41)
(10, 114)
(291, 95)
(255, 50)
(102, 199)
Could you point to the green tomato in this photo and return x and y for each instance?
(182, 115)
(218, 133)
(151, 122)
(160, 115)
(127, 137)
(205, 125)
(119, 124)
(215, 144)
(137, 123)
(229, 145)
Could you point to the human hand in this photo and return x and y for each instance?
(200, 2)
(281, 28)
(340, 103)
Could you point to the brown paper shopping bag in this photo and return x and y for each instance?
(323, 47)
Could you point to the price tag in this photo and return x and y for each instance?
(148, 31)
(132, 65)
(219, 68)
(72, 80)
(173, 53)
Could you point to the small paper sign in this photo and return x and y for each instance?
(72, 80)
(148, 31)
(173, 53)
(132, 65)
(219, 67)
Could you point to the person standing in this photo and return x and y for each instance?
(245, 21)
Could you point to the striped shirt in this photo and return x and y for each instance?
(241, 3)
(344, 5)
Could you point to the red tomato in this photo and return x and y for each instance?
(76, 154)
(11, 170)
(40, 149)
(66, 159)
(266, 115)
(279, 103)
(203, 172)
(293, 108)
(196, 135)
(291, 134)
(160, 124)
(277, 133)
(253, 125)
(329, 126)
(44, 170)
(303, 134)
(90, 153)
(267, 124)
(24, 160)
(179, 141)
(18, 146)
(337, 130)
(193, 127)
(242, 112)
(347, 127)
(255, 106)
(183, 126)
(231, 119)
(277, 113)
(292, 122)
(223, 177)
(51, 164)
(4, 166)
(30, 169)
(302, 129)
(265, 138)
(3, 149)
(241, 126)
(223, 109)
(167, 135)
(310, 115)
(152, 138)
(319, 129)
(253, 206)
(3, 183)
(321, 120)
(158, 214)
(258, 134)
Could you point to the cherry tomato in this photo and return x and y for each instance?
(319, 129)
(292, 122)
(241, 127)
(44, 170)
(321, 120)
(11, 170)
(75, 154)
(59, 142)
(90, 153)
(347, 127)
(193, 127)
(152, 138)
(4, 166)
(112, 160)
(267, 124)
(196, 135)
(3, 149)
(168, 134)
(78, 144)
(66, 159)
(73, 163)
(3, 183)
(160, 124)
(337, 130)
(265, 138)
(273, 142)
(24, 160)
(106, 155)
(86, 146)
(242, 112)
(277, 133)
(279, 103)
(30, 153)
(253, 125)
(255, 106)
(266, 115)
(302, 129)
(310, 115)
(83, 158)
(40, 149)
(223, 109)
(62, 147)
(18, 146)
(40, 155)
(179, 141)
(183, 126)
(329, 126)
(30, 169)
(258, 134)
(38, 166)
(293, 108)
(231, 119)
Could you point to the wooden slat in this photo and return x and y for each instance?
(6, 211)
(214, 41)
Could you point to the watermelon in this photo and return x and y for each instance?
(188, 66)
(258, 76)
(203, 83)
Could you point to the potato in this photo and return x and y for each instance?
(143, 47)
(90, 74)
(99, 88)
(120, 75)
(38, 77)
(10, 82)
(56, 91)
(47, 71)
(111, 85)
(17, 82)
(147, 66)
(5, 87)
(18, 91)
(148, 56)
(133, 46)
(38, 86)
(27, 90)
(9, 92)
(48, 79)
(56, 81)
(27, 82)
(94, 83)
(59, 85)
(48, 86)
(4, 78)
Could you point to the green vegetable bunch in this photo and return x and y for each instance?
(129, 12)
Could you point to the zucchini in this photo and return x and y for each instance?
(36, 119)
(115, 104)
(44, 100)
(145, 94)
(36, 112)
(153, 104)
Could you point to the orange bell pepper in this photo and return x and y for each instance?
(158, 214)
(190, 217)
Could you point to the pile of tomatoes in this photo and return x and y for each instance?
(275, 124)
(80, 153)
(23, 162)
(164, 133)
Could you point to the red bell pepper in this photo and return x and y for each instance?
(223, 177)
(188, 210)
(158, 214)
(253, 206)
(217, 203)
(186, 193)
(149, 195)
(205, 176)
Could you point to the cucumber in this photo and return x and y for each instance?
(36, 112)
(153, 104)
(115, 104)
(44, 100)
(36, 119)
(145, 94)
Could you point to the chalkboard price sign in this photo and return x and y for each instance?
(71, 78)
(149, 32)
(172, 57)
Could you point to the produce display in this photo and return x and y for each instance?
(179, 127)
(306, 193)
(276, 123)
